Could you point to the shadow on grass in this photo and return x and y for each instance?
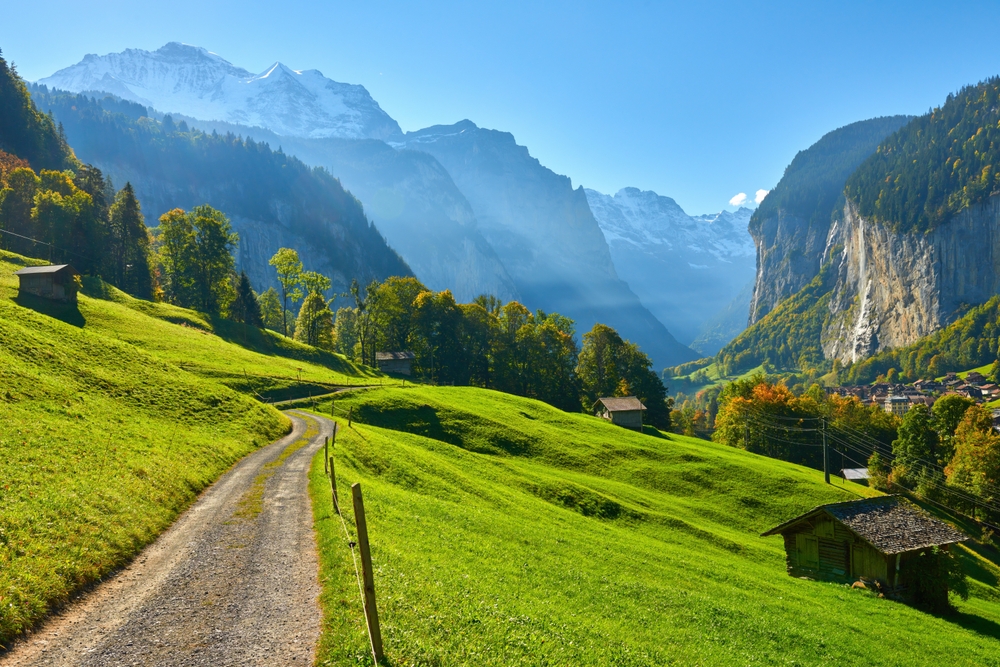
(60, 310)
(973, 623)
(465, 430)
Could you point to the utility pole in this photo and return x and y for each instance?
(826, 454)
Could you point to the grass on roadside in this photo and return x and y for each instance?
(114, 415)
(505, 532)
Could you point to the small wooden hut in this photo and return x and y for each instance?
(870, 540)
(399, 363)
(626, 411)
(56, 282)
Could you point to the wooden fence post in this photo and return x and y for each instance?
(333, 486)
(326, 455)
(350, 416)
(371, 611)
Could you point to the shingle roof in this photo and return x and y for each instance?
(889, 523)
(394, 356)
(34, 270)
(624, 404)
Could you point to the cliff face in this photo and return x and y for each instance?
(789, 255)
(791, 226)
(893, 288)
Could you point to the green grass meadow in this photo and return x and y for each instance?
(506, 532)
(113, 416)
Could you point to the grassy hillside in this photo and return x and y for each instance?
(113, 416)
(505, 532)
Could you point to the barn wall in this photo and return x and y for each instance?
(629, 418)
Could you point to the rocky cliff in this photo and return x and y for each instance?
(892, 288)
(791, 226)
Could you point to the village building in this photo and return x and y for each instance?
(57, 282)
(626, 411)
(858, 475)
(397, 363)
(871, 540)
(897, 405)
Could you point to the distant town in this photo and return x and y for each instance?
(899, 398)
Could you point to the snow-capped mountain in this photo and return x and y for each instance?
(684, 268)
(193, 81)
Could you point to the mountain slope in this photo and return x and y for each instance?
(791, 225)
(26, 132)
(412, 200)
(685, 269)
(920, 235)
(191, 80)
(545, 234)
(507, 532)
(273, 200)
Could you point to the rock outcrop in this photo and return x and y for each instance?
(891, 289)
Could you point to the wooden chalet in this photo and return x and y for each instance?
(56, 282)
(399, 363)
(626, 411)
(871, 540)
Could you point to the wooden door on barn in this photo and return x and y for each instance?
(867, 563)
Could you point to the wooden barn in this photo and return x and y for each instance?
(626, 411)
(398, 363)
(869, 540)
(57, 282)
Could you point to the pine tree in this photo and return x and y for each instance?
(129, 257)
(245, 309)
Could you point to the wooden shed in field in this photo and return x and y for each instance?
(399, 363)
(626, 411)
(870, 540)
(56, 282)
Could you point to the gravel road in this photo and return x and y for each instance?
(232, 582)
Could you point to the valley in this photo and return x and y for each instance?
(231, 300)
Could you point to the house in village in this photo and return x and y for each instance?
(626, 411)
(897, 405)
(397, 363)
(57, 282)
(872, 540)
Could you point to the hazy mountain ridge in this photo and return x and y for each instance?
(545, 233)
(542, 243)
(685, 269)
(272, 199)
(193, 81)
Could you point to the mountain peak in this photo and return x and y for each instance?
(193, 81)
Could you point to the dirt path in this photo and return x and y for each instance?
(232, 582)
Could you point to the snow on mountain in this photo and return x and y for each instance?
(684, 268)
(178, 78)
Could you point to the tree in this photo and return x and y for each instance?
(948, 412)
(196, 250)
(314, 325)
(606, 361)
(975, 466)
(245, 309)
(286, 262)
(345, 331)
(270, 309)
(395, 317)
(915, 450)
(129, 262)
(314, 282)
(366, 305)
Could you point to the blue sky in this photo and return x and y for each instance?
(697, 101)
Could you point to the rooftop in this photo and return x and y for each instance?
(891, 524)
(394, 356)
(624, 404)
(35, 270)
